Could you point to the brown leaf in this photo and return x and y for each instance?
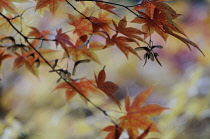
(109, 88)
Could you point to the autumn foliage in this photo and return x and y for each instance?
(94, 30)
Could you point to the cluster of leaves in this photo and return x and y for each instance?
(151, 15)
(136, 117)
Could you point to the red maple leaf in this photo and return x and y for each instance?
(63, 39)
(109, 88)
(114, 132)
(130, 32)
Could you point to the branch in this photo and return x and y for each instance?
(124, 6)
(116, 4)
(112, 3)
(53, 68)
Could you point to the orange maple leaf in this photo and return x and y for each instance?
(138, 116)
(101, 22)
(26, 59)
(9, 6)
(82, 25)
(30, 58)
(53, 4)
(38, 34)
(84, 86)
(81, 53)
(156, 15)
(130, 34)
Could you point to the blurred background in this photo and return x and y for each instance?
(30, 109)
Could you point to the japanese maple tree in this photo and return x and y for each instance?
(96, 27)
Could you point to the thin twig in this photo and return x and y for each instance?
(53, 68)
(126, 7)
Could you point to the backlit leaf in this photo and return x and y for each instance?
(84, 86)
(53, 4)
(138, 116)
(9, 5)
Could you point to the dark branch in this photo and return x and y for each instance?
(53, 68)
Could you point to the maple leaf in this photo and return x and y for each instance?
(138, 116)
(38, 34)
(146, 5)
(109, 88)
(63, 39)
(30, 58)
(9, 6)
(156, 15)
(122, 43)
(150, 25)
(80, 53)
(84, 86)
(82, 25)
(53, 4)
(130, 32)
(150, 5)
(101, 22)
(184, 40)
(26, 59)
(106, 7)
(115, 132)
